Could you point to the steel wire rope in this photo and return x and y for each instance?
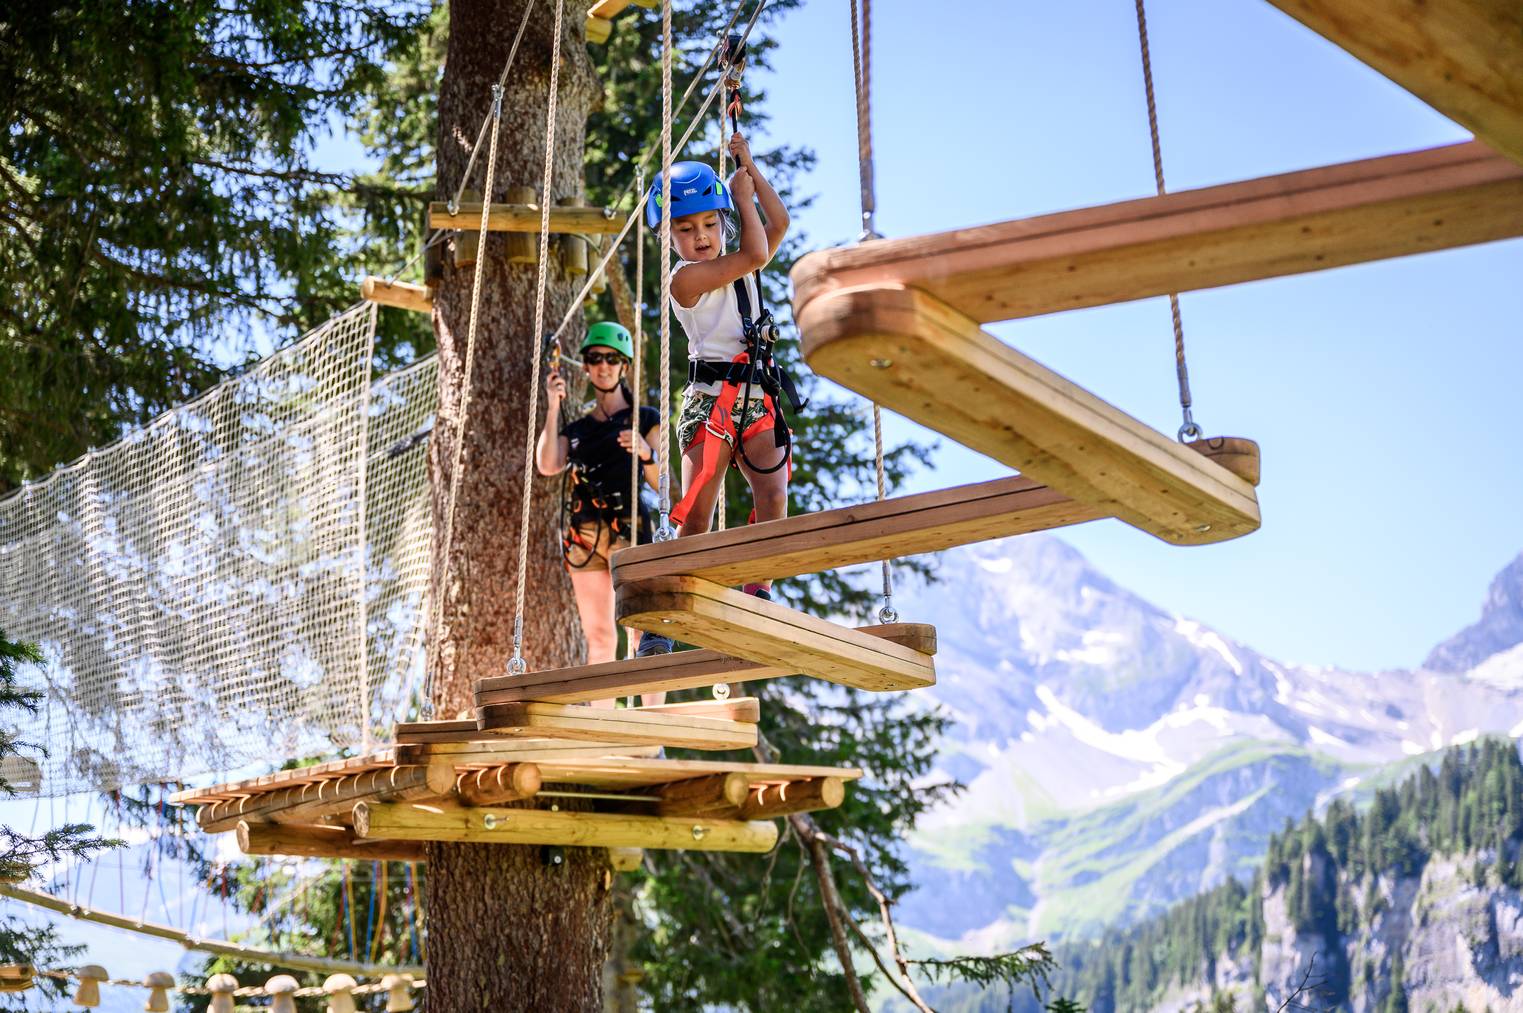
(861, 63)
(516, 664)
(1189, 430)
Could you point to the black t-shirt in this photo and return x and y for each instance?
(594, 445)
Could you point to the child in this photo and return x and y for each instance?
(717, 301)
(597, 448)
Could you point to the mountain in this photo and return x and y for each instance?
(1120, 758)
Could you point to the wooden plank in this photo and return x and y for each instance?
(663, 673)
(401, 294)
(323, 842)
(418, 822)
(704, 613)
(740, 708)
(1221, 235)
(861, 533)
(498, 750)
(626, 725)
(623, 774)
(1462, 57)
(525, 218)
(914, 354)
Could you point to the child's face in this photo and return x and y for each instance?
(698, 237)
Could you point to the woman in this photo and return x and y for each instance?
(597, 447)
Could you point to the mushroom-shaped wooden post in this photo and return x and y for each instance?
(282, 992)
(339, 988)
(221, 986)
(158, 984)
(398, 992)
(88, 994)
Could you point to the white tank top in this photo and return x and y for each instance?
(712, 326)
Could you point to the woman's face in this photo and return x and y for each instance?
(698, 237)
(605, 367)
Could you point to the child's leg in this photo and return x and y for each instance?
(701, 516)
(769, 488)
(594, 602)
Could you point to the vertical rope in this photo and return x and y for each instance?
(1188, 430)
(861, 64)
(665, 532)
(517, 665)
(364, 540)
(721, 503)
(458, 458)
(635, 378)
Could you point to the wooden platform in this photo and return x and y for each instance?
(374, 807)
(1221, 235)
(862, 533)
(1462, 57)
(917, 356)
(701, 612)
(664, 672)
(524, 218)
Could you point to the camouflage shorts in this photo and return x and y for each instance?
(696, 408)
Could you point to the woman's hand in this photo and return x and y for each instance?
(742, 186)
(628, 436)
(740, 150)
(555, 388)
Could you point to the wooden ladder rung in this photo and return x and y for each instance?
(626, 725)
(914, 354)
(1221, 235)
(525, 218)
(664, 672)
(701, 612)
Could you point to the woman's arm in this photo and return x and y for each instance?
(695, 279)
(650, 468)
(771, 204)
(551, 451)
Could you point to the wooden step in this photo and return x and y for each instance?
(915, 355)
(1221, 235)
(664, 672)
(701, 612)
(862, 533)
(404, 822)
(631, 725)
(1462, 57)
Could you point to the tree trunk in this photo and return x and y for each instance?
(506, 931)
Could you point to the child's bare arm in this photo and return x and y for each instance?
(690, 283)
(771, 204)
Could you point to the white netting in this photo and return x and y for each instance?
(196, 587)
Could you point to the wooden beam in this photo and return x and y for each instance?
(618, 773)
(705, 796)
(1221, 235)
(322, 842)
(598, 30)
(663, 673)
(740, 708)
(624, 725)
(799, 797)
(704, 613)
(401, 294)
(1462, 57)
(417, 822)
(510, 782)
(914, 354)
(500, 750)
(862, 533)
(312, 802)
(625, 859)
(525, 218)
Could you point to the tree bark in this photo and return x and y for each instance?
(506, 930)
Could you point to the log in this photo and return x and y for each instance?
(1193, 239)
(467, 239)
(400, 294)
(311, 803)
(798, 797)
(521, 247)
(573, 248)
(322, 842)
(920, 357)
(701, 612)
(511, 782)
(625, 859)
(705, 796)
(419, 822)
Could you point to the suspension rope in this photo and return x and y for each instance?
(1189, 430)
(861, 63)
(721, 502)
(517, 665)
(458, 457)
(635, 378)
(664, 532)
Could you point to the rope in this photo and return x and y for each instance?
(1189, 430)
(861, 63)
(664, 532)
(465, 404)
(517, 665)
(243, 992)
(635, 387)
(721, 503)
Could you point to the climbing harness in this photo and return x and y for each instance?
(1189, 431)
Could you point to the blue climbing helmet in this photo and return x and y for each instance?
(695, 188)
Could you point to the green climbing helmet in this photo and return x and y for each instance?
(609, 335)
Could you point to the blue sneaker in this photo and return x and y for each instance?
(652, 644)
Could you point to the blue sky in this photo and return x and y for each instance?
(1385, 396)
